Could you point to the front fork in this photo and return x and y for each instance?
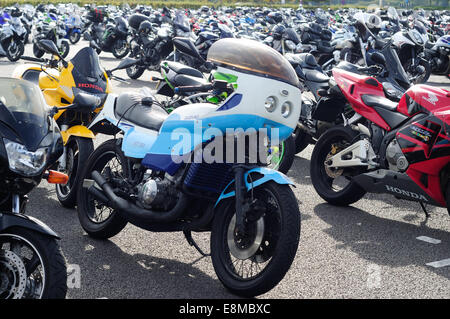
(62, 160)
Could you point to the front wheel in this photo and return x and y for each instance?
(32, 266)
(64, 49)
(77, 153)
(253, 263)
(74, 37)
(134, 72)
(334, 185)
(14, 50)
(413, 73)
(120, 49)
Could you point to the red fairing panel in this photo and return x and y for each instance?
(353, 86)
(422, 98)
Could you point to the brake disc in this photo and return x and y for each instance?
(333, 172)
(13, 275)
(244, 248)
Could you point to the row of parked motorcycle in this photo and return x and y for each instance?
(372, 130)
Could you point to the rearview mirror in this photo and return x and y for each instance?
(49, 47)
(128, 62)
(378, 58)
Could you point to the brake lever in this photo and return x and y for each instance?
(119, 79)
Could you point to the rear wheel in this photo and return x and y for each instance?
(334, 184)
(254, 262)
(301, 140)
(282, 156)
(96, 218)
(120, 49)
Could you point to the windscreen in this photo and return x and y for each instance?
(22, 108)
(87, 73)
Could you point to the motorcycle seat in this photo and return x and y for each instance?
(386, 109)
(307, 60)
(180, 68)
(315, 76)
(379, 102)
(150, 117)
(187, 80)
(324, 48)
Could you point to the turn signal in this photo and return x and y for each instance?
(55, 177)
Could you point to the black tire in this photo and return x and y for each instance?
(74, 37)
(135, 72)
(80, 149)
(288, 155)
(53, 261)
(321, 181)
(447, 197)
(114, 223)
(301, 140)
(118, 49)
(64, 49)
(38, 53)
(14, 53)
(426, 74)
(278, 246)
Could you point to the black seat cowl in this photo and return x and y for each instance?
(183, 69)
(315, 76)
(379, 101)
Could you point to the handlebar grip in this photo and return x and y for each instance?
(198, 88)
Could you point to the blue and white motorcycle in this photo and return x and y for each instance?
(12, 39)
(199, 169)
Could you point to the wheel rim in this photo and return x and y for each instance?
(248, 256)
(120, 47)
(13, 50)
(22, 271)
(98, 212)
(332, 178)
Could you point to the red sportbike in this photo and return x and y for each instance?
(401, 148)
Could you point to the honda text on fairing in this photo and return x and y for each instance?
(31, 262)
(146, 178)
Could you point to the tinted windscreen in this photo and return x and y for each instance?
(22, 108)
(87, 73)
(86, 63)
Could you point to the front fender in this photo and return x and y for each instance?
(268, 175)
(10, 220)
(77, 130)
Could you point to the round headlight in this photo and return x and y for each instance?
(270, 104)
(286, 109)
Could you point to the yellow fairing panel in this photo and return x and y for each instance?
(78, 130)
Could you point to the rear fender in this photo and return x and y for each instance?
(268, 175)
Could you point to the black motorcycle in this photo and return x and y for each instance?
(31, 262)
(110, 38)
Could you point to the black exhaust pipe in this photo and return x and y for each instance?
(130, 210)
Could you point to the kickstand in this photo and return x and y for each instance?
(190, 240)
(424, 210)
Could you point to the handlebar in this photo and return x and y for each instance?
(29, 58)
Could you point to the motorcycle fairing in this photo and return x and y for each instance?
(423, 98)
(267, 175)
(354, 86)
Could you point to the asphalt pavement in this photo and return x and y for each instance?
(379, 247)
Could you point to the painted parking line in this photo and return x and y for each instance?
(429, 240)
(440, 263)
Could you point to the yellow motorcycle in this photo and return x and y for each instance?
(60, 81)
